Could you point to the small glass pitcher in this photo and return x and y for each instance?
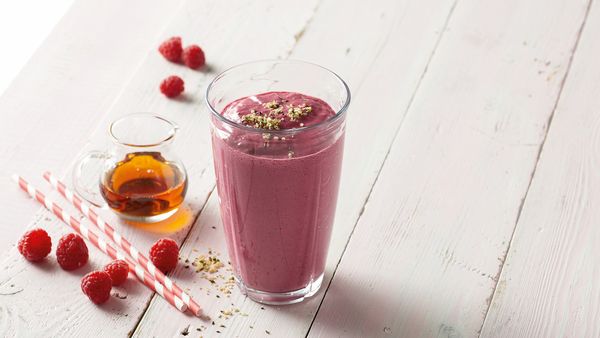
(139, 178)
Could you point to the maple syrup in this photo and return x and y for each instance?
(144, 185)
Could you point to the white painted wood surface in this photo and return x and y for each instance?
(69, 84)
(550, 283)
(452, 102)
(398, 19)
(425, 255)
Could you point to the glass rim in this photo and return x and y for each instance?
(119, 140)
(339, 113)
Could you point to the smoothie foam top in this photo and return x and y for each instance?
(278, 111)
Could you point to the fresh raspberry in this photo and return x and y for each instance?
(164, 254)
(71, 252)
(117, 270)
(172, 86)
(171, 49)
(193, 56)
(96, 285)
(35, 245)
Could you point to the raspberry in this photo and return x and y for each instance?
(71, 252)
(164, 254)
(193, 56)
(35, 245)
(96, 285)
(117, 270)
(171, 49)
(172, 86)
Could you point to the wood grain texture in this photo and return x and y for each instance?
(549, 285)
(461, 91)
(361, 53)
(233, 19)
(424, 257)
(54, 104)
(67, 85)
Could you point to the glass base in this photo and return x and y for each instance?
(147, 219)
(281, 298)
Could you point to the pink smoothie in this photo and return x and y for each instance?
(278, 193)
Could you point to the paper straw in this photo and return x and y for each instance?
(88, 211)
(99, 243)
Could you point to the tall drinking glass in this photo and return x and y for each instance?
(278, 184)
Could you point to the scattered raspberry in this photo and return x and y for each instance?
(172, 86)
(164, 254)
(118, 271)
(71, 252)
(96, 285)
(35, 245)
(193, 56)
(171, 49)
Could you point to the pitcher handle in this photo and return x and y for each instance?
(87, 176)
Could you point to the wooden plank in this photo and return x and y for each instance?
(426, 253)
(383, 33)
(69, 83)
(549, 284)
(222, 28)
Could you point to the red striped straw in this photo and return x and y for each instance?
(88, 211)
(100, 243)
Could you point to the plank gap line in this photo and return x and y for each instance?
(141, 317)
(537, 160)
(111, 107)
(431, 55)
(379, 51)
(297, 38)
(125, 85)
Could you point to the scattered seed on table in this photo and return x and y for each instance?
(185, 331)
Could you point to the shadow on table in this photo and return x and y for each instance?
(182, 219)
(363, 312)
(185, 98)
(46, 265)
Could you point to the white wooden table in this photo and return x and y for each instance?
(471, 182)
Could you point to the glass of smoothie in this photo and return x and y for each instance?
(278, 136)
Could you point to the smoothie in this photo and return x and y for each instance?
(278, 188)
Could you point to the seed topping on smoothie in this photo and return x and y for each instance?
(276, 107)
(278, 110)
(258, 120)
(296, 113)
(272, 116)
